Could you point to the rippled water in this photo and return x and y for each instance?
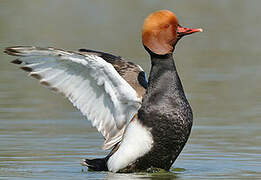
(43, 137)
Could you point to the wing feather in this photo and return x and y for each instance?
(88, 81)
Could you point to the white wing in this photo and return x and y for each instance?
(88, 81)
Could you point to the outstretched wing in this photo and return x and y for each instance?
(132, 73)
(88, 81)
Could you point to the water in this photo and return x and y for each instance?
(43, 137)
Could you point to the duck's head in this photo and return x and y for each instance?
(161, 31)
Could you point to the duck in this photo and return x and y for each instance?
(145, 122)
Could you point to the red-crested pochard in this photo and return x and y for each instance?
(145, 123)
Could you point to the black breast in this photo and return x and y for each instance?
(167, 113)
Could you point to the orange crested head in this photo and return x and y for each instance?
(161, 31)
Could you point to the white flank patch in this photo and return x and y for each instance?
(137, 141)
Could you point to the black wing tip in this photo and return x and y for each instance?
(11, 51)
(25, 68)
(16, 50)
(106, 56)
(45, 83)
(36, 76)
(84, 50)
(17, 61)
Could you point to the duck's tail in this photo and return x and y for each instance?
(99, 164)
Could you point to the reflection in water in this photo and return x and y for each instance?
(43, 137)
(119, 176)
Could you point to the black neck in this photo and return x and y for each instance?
(164, 81)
